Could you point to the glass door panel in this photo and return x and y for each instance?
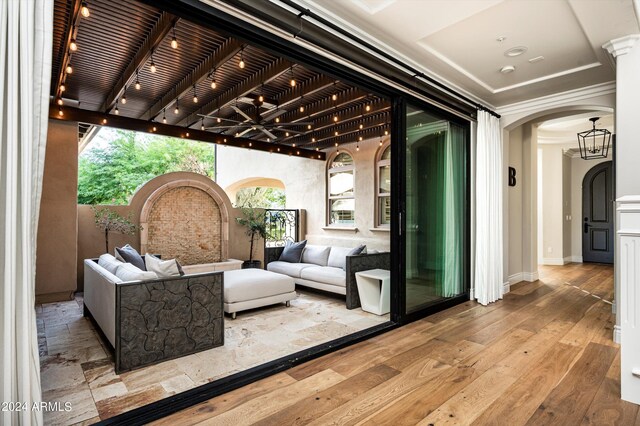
(436, 212)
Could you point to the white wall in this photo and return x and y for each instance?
(514, 216)
(305, 182)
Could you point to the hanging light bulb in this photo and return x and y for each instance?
(195, 95)
(359, 138)
(152, 65)
(260, 98)
(84, 9)
(213, 79)
(117, 111)
(294, 145)
(73, 45)
(241, 63)
(59, 101)
(357, 147)
(301, 108)
(164, 117)
(308, 126)
(177, 108)
(336, 133)
(367, 108)
(63, 87)
(69, 69)
(313, 140)
(361, 126)
(334, 97)
(104, 121)
(386, 132)
(137, 86)
(154, 128)
(174, 40)
(293, 79)
(277, 119)
(60, 111)
(202, 124)
(219, 120)
(123, 99)
(286, 134)
(335, 118)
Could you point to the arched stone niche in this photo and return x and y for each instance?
(188, 220)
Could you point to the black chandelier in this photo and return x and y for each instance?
(594, 143)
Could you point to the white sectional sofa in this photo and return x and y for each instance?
(321, 267)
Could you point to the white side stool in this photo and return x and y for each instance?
(374, 289)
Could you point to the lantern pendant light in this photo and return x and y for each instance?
(594, 143)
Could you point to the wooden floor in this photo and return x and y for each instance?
(543, 355)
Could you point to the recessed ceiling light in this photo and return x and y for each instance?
(507, 69)
(536, 59)
(515, 51)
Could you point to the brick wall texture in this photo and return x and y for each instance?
(185, 223)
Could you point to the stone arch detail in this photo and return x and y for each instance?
(188, 220)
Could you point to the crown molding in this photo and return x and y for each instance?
(558, 99)
(621, 46)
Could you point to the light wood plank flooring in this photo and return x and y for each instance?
(543, 355)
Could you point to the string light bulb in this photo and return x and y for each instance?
(117, 111)
(84, 10)
(202, 124)
(152, 65)
(60, 111)
(177, 108)
(335, 133)
(73, 45)
(334, 97)
(308, 126)
(357, 147)
(69, 69)
(219, 120)
(335, 118)
(174, 40)
(301, 108)
(367, 108)
(361, 126)
(137, 85)
(164, 117)
(293, 78)
(104, 121)
(63, 87)
(360, 139)
(59, 101)
(277, 119)
(123, 99)
(195, 95)
(260, 98)
(241, 63)
(213, 79)
(386, 132)
(286, 134)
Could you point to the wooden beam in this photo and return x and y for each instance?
(72, 29)
(324, 106)
(155, 37)
(135, 124)
(349, 131)
(223, 54)
(375, 130)
(248, 85)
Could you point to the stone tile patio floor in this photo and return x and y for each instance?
(77, 365)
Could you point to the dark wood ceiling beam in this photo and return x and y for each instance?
(375, 131)
(135, 124)
(324, 106)
(154, 38)
(348, 130)
(248, 85)
(223, 54)
(72, 29)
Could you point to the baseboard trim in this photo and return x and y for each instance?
(555, 261)
(516, 278)
(617, 334)
(530, 276)
(575, 259)
(506, 287)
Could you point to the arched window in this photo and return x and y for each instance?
(383, 188)
(341, 178)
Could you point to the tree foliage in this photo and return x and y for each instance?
(260, 197)
(109, 221)
(111, 173)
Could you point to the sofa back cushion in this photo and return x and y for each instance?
(109, 263)
(338, 255)
(129, 272)
(162, 268)
(292, 252)
(318, 255)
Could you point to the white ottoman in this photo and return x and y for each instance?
(253, 288)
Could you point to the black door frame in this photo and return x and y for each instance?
(219, 21)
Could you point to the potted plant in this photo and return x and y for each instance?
(109, 221)
(254, 222)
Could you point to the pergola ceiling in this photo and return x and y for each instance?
(120, 40)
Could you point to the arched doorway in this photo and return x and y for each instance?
(597, 214)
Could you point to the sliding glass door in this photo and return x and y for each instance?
(436, 214)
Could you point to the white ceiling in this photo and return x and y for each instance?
(564, 130)
(456, 41)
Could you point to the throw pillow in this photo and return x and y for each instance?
(292, 252)
(361, 249)
(109, 263)
(117, 255)
(318, 255)
(131, 255)
(129, 272)
(162, 268)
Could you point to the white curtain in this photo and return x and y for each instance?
(489, 187)
(26, 31)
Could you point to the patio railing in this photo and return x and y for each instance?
(282, 226)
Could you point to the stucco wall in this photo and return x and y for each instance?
(305, 182)
(57, 228)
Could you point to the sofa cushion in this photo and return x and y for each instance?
(293, 252)
(162, 268)
(318, 255)
(325, 274)
(286, 268)
(250, 284)
(131, 255)
(338, 255)
(129, 272)
(109, 263)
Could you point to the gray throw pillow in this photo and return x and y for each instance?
(292, 252)
(131, 255)
(361, 249)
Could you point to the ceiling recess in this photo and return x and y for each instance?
(515, 51)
